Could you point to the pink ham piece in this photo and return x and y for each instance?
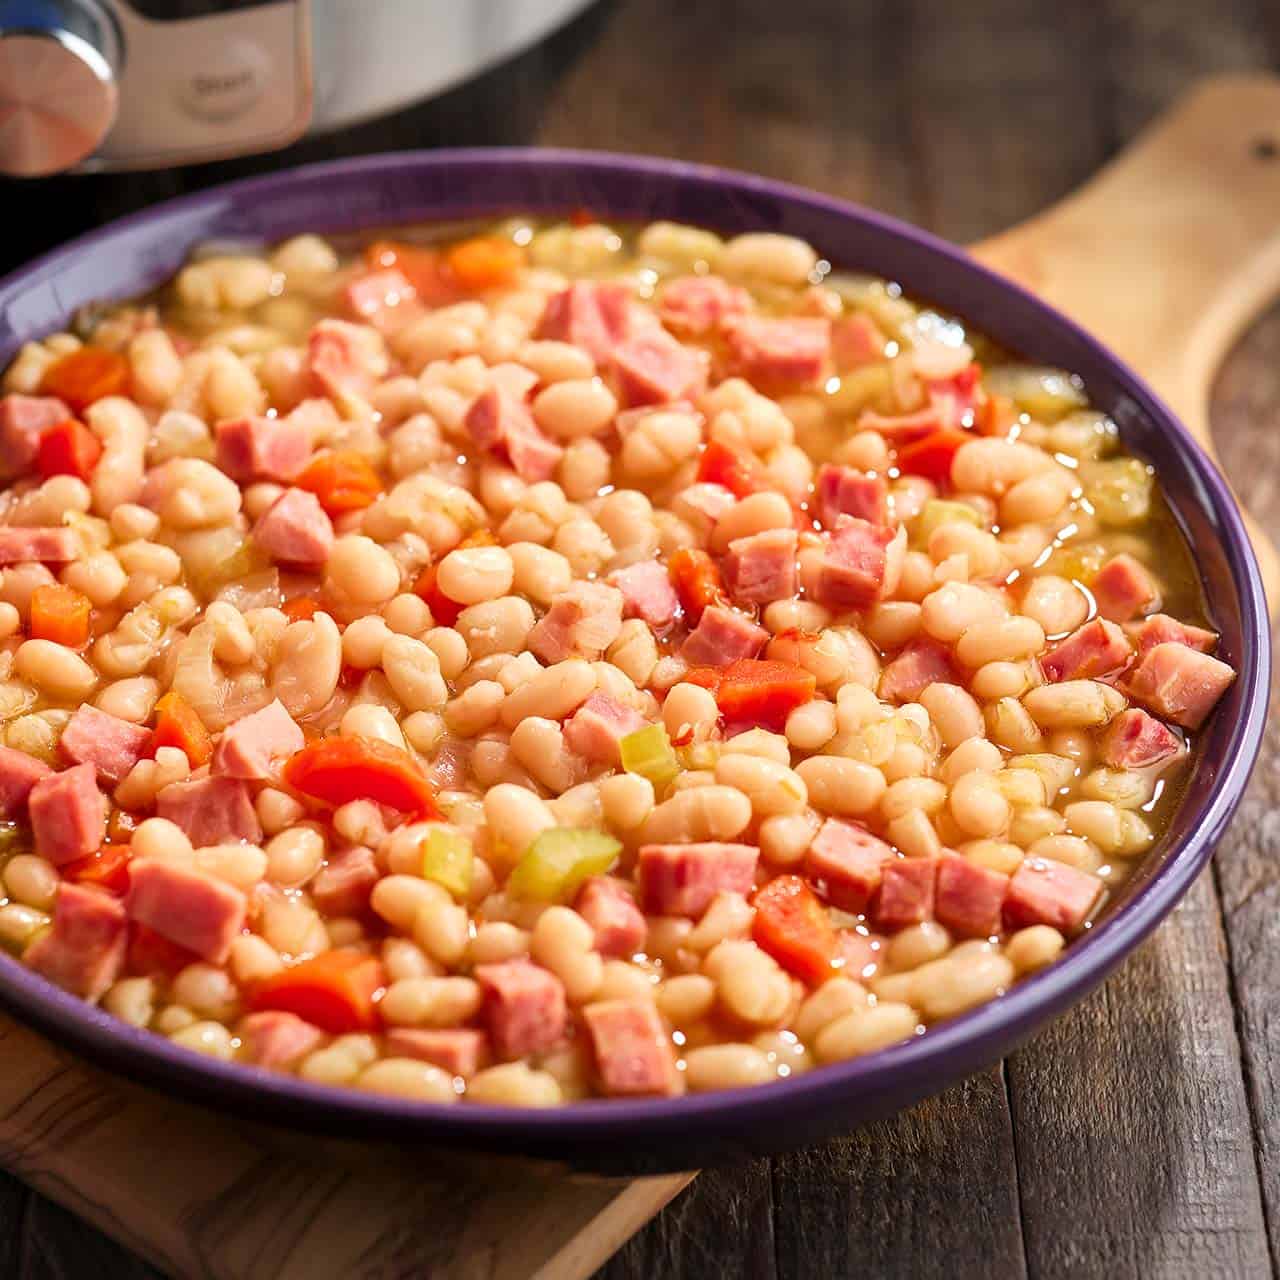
(68, 814)
(906, 893)
(186, 906)
(344, 360)
(786, 349)
(722, 637)
(277, 1039)
(653, 368)
(596, 728)
(19, 772)
(633, 1052)
(344, 884)
(614, 918)
(295, 529)
(967, 898)
(861, 564)
(761, 567)
(500, 423)
(1135, 740)
(856, 340)
(695, 305)
(1179, 683)
(85, 949)
(1046, 892)
(845, 863)
(210, 811)
(386, 299)
(681, 879)
(595, 317)
(647, 593)
(843, 491)
(919, 664)
(1097, 649)
(53, 546)
(1162, 629)
(1122, 589)
(583, 622)
(113, 746)
(460, 1051)
(257, 448)
(524, 1008)
(250, 746)
(23, 420)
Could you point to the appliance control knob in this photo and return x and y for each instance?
(58, 65)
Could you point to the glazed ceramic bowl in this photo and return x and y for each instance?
(130, 256)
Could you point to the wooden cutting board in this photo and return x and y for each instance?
(1166, 255)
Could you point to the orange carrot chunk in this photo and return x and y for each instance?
(61, 614)
(68, 449)
(300, 608)
(108, 868)
(932, 456)
(696, 578)
(333, 990)
(342, 479)
(179, 725)
(762, 691)
(338, 770)
(484, 263)
(152, 953)
(443, 610)
(737, 471)
(794, 928)
(86, 375)
(422, 267)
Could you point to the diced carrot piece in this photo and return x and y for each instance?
(334, 990)
(486, 262)
(152, 953)
(762, 691)
(338, 770)
(300, 608)
(342, 479)
(932, 456)
(792, 925)
(121, 825)
(108, 868)
(443, 610)
(61, 614)
(85, 375)
(737, 471)
(707, 677)
(179, 725)
(479, 538)
(68, 449)
(696, 578)
(423, 268)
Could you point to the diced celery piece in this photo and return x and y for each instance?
(447, 859)
(1079, 561)
(937, 512)
(1119, 490)
(1086, 436)
(648, 752)
(700, 755)
(559, 860)
(1044, 393)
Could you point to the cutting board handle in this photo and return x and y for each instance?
(1170, 251)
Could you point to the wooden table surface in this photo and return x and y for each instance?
(1140, 1135)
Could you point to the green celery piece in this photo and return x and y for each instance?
(937, 512)
(559, 860)
(648, 752)
(447, 859)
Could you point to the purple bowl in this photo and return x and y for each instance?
(651, 1136)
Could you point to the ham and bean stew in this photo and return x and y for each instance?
(519, 663)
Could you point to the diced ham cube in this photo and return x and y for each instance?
(19, 772)
(595, 317)
(633, 1051)
(598, 726)
(918, 664)
(860, 565)
(1123, 589)
(461, 1051)
(681, 879)
(84, 950)
(654, 368)
(697, 304)
(845, 863)
(1097, 649)
(1179, 683)
(277, 1039)
(497, 421)
(23, 420)
(722, 637)
(844, 491)
(345, 360)
(524, 1007)
(583, 622)
(906, 893)
(343, 886)
(68, 814)
(195, 910)
(386, 299)
(611, 911)
(210, 811)
(856, 340)
(257, 448)
(786, 349)
(113, 746)
(295, 529)
(761, 567)
(1162, 629)
(1135, 740)
(1046, 892)
(249, 746)
(967, 897)
(53, 546)
(647, 593)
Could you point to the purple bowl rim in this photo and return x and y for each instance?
(996, 1023)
